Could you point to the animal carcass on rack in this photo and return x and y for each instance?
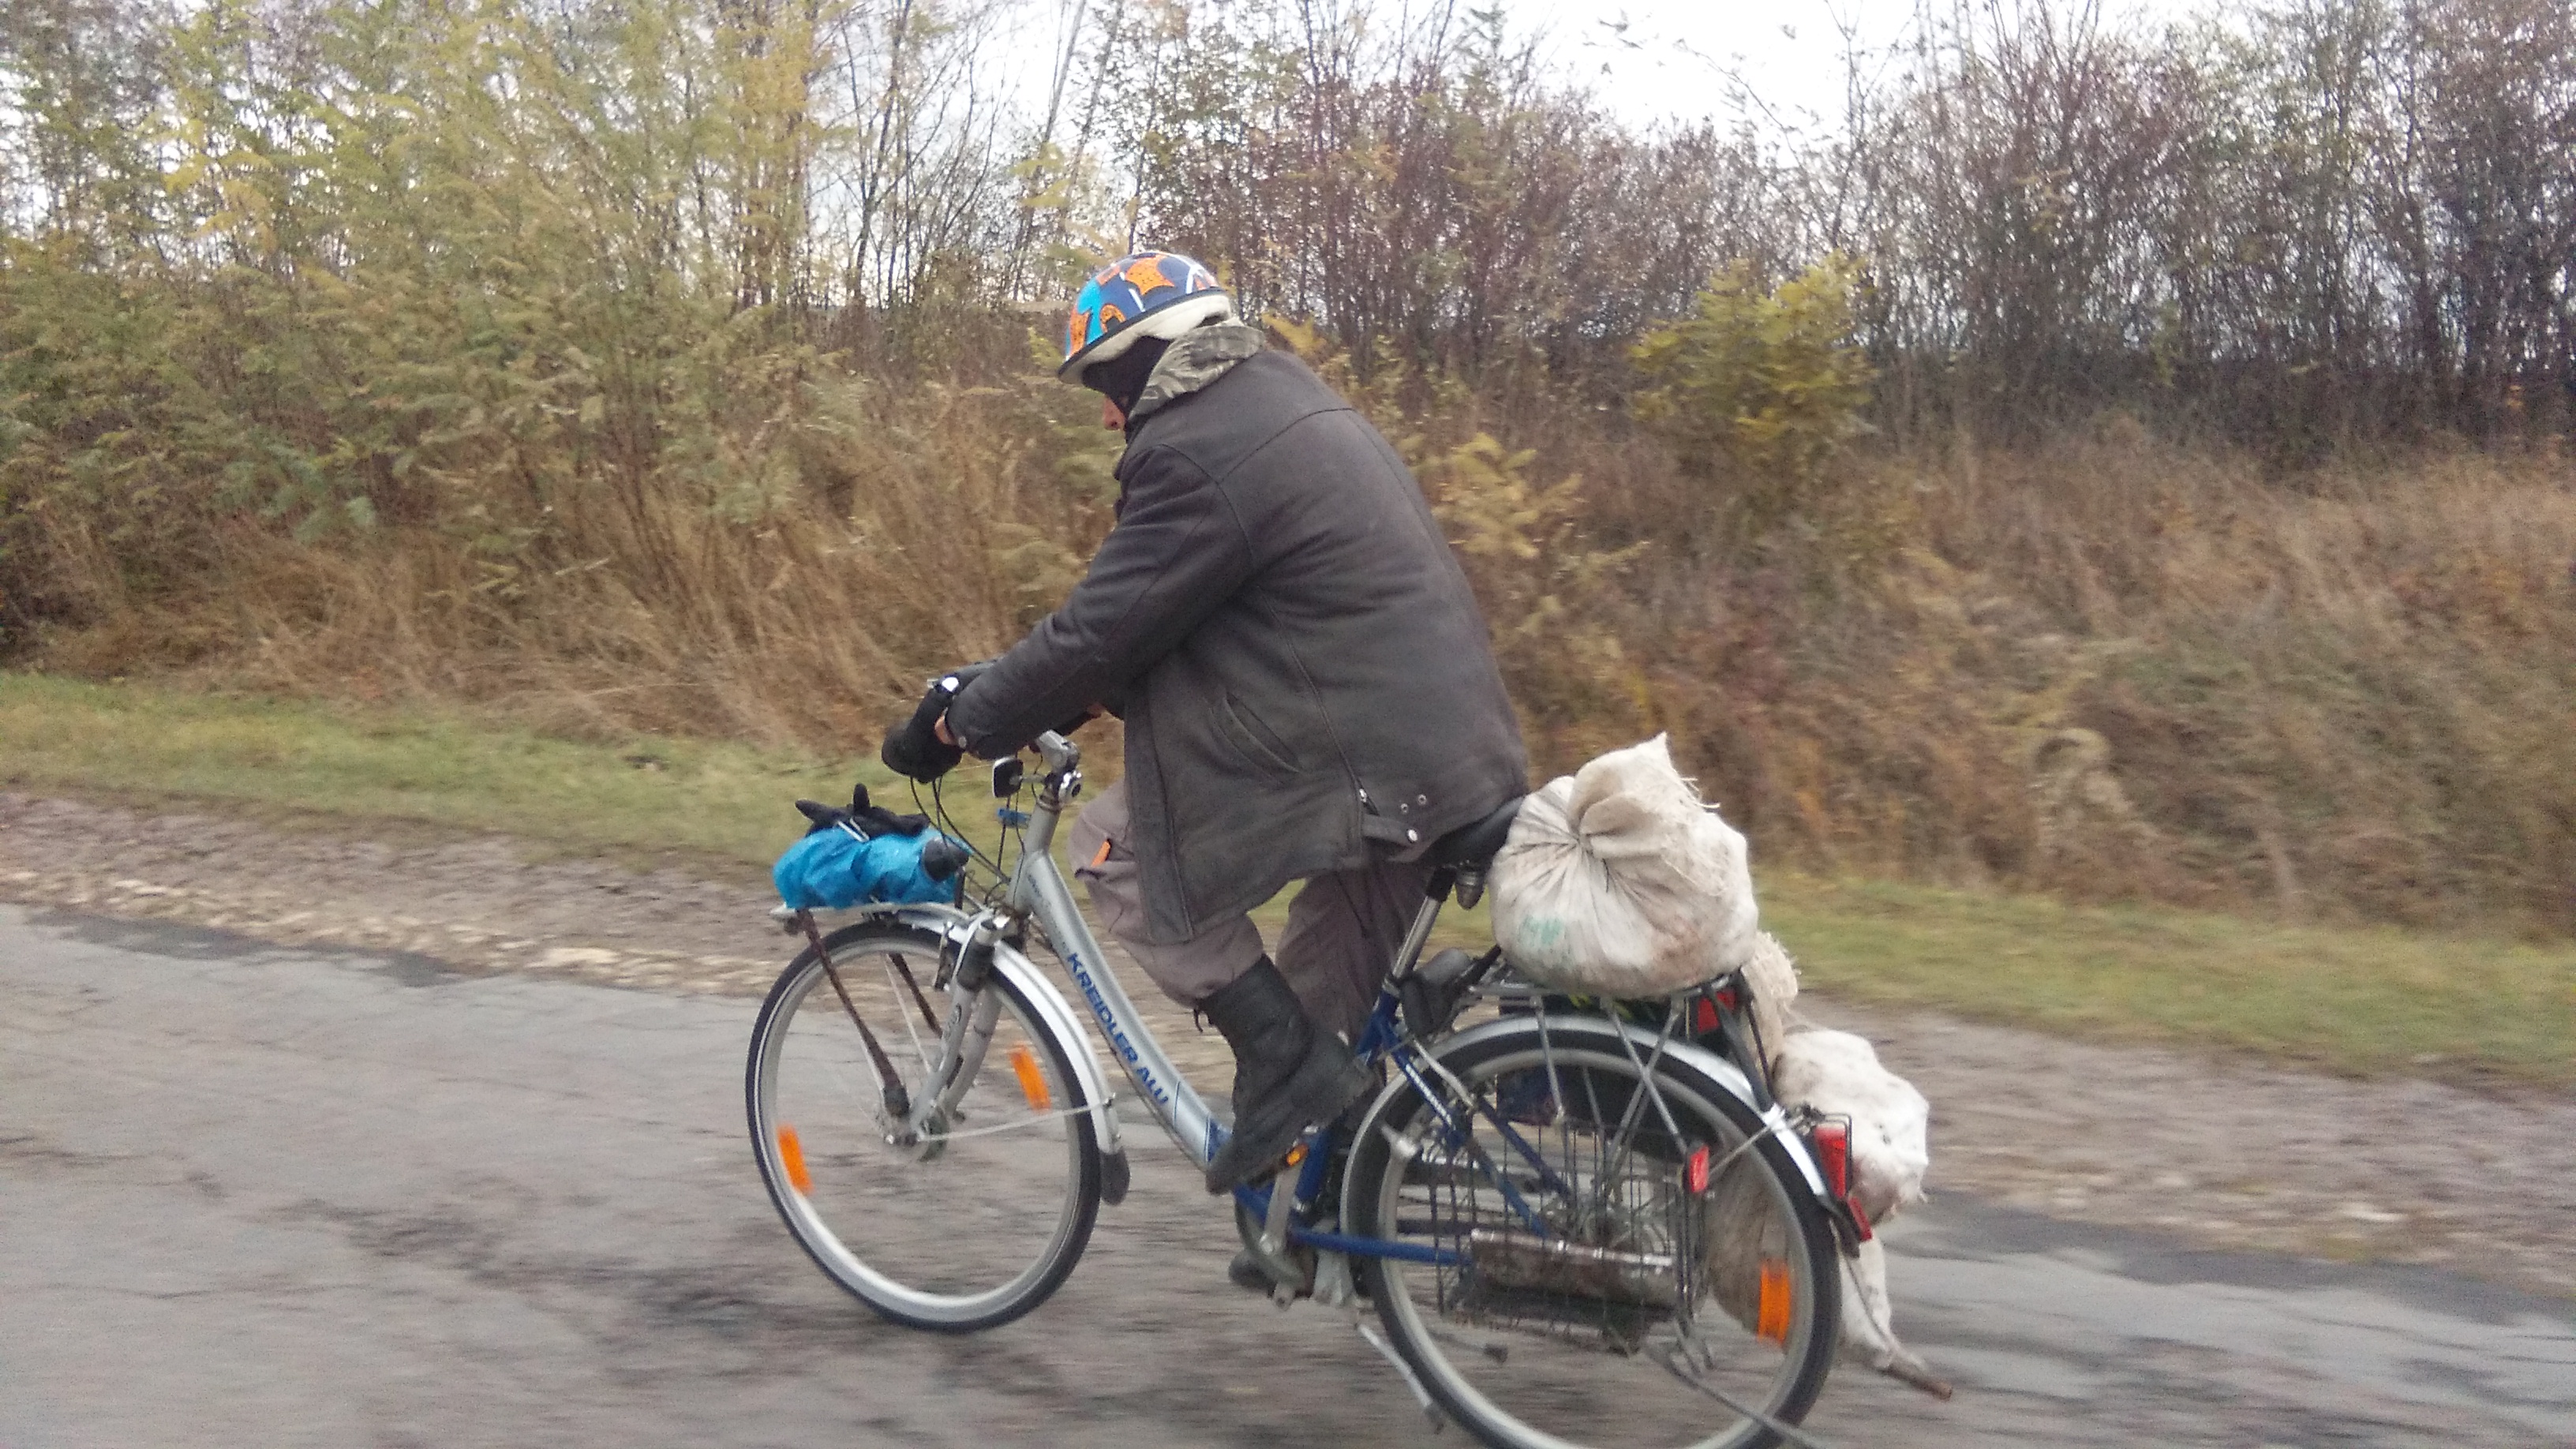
(1837, 1074)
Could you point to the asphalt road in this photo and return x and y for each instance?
(252, 1196)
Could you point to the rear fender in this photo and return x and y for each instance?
(1728, 1077)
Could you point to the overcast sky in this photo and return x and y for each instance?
(1655, 60)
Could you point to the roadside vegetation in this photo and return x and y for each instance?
(2129, 465)
(2364, 1001)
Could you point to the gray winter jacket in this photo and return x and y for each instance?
(1306, 681)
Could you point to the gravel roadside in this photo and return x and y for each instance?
(2214, 1152)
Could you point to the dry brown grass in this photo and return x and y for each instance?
(2121, 668)
(922, 530)
(2110, 666)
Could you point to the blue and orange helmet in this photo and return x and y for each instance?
(1144, 294)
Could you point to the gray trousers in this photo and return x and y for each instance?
(1343, 928)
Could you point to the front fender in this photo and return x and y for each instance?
(1727, 1075)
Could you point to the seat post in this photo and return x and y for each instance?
(1471, 885)
(1423, 919)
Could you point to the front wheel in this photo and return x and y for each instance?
(963, 1225)
(1590, 1264)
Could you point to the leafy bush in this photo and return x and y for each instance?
(1759, 391)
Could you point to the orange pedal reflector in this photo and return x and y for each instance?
(792, 1153)
(1771, 1321)
(1032, 1081)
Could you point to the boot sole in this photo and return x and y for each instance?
(1311, 1096)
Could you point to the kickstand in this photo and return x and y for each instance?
(1421, 1395)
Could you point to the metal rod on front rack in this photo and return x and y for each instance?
(898, 1102)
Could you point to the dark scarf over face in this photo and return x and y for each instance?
(1122, 378)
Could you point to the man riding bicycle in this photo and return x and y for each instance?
(1308, 689)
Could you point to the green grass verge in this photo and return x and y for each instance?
(2367, 1001)
(2362, 1000)
(644, 795)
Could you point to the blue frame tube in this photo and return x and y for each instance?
(1350, 1246)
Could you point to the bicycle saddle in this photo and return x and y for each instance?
(1477, 843)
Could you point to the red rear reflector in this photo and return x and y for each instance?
(1860, 1220)
(1833, 1157)
(1703, 1017)
(1697, 1173)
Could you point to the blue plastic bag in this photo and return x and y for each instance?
(838, 867)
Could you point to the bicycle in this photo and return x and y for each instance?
(1573, 1227)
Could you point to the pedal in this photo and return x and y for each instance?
(1282, 1270)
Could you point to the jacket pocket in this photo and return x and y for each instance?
(1259, 744)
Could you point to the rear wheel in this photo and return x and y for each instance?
(1596, 1265)
(965, 1225)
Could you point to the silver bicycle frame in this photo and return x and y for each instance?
(1038, 891)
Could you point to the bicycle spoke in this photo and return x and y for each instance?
(1789, 1432)
(918, 1050)
(1001, 1127)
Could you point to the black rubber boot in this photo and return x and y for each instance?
(1246, 1274)
(1289, 1073)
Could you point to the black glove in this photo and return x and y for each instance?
(869, 820)
(913, 749)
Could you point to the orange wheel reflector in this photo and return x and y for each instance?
(1772, 1319)
(792, 1153)
(1032, 1081)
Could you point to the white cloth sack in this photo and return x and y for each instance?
(1617, 881)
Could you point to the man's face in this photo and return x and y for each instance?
(1110, 417)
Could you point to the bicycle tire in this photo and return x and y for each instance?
(864, 1167)
(1603, 1407)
